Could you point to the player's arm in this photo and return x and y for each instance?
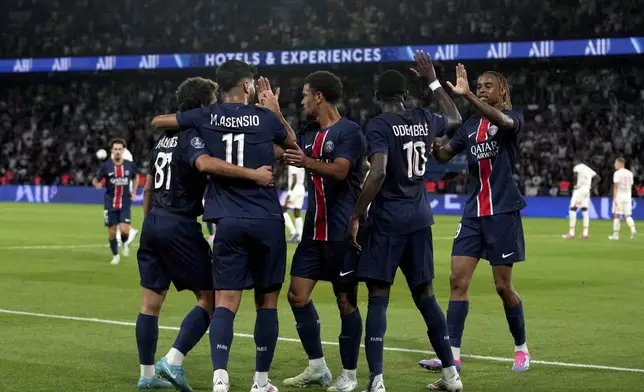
(294, 181)
(135, 185)
(96, 181)
(575, 178)
(425, 69)
(270, 101)
(147, 194)
(165, 121)
(372, 184)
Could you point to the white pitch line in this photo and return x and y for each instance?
(394, 349)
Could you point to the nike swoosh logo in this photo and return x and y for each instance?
(471, 134)
(308, 145)
(506, 256)
(345, 273)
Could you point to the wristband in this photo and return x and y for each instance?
(434, 85)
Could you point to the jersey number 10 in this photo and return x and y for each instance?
(416, 158)
(162, 171)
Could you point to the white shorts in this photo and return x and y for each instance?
(580, 198)
(295, 198)
(623, 206)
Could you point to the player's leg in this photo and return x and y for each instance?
(572, 219)
(505, 246)
(155, 285)
(288, 222)
(267, 266)
(111, 221)
(417, 264)
(125, 233)
(617, 212)
(299, 222)
(628, 211)
(375, 329)
(466, 251)
(186, 256)
(306, 269)
(230, 277)
(586, 217)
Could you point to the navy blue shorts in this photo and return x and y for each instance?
(173, 249)
(249, 254)
(330, 261)
(497, 238)
(383, 253)
(114, 217)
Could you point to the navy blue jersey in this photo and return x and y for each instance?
(492, 156)
(401, 206)
(117, 183)
(331, 202)
(243, 135)
(178, 187)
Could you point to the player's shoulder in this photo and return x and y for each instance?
(513, 112)
(311, 126)
(348, 125)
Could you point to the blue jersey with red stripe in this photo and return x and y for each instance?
(331, 202)
(244, 135)
(117, 183)
(492, 156)
(401, 206)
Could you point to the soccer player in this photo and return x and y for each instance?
(400, 218)
(249, 250)
(333, 150)
(622, 198)
(585, 177)
(294, 200)
(491, 225)
(127, 155)
(117, 173)
(172, 247)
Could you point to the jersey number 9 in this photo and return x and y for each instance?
(416, 158)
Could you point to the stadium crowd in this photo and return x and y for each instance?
(59, 28)
(50, 127)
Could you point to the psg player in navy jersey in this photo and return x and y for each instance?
(332, 152)
(117, 173)
(399, 222)
(249, 250)
(491, 226)
(172, 247)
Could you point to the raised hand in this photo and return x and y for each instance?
(267, 98)
(462, 85)
(424, 66)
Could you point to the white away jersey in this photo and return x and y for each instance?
(584, 176)
(295, 177)
(624, 180)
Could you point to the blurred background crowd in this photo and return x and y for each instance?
(52, 124)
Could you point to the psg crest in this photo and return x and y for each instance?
(492, 130)
(328, 146)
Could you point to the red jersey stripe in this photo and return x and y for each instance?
(484, 198)
(320, 229)
(118, 189)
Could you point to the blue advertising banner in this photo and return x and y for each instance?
(386, 54)
(442, 204)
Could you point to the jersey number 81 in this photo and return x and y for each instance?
(162, 172)
(416, 158)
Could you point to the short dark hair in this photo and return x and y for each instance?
(195, 92)
(391, 84)
(326, 83)
(118, 140)
(230, 73)
(621, 160)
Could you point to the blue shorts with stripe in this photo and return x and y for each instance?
(496, 238)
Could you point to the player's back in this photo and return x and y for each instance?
(584, 176)
(243, 135)
(624, 180)
(401, 205)
(178, 187)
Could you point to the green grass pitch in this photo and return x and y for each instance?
(583, 304)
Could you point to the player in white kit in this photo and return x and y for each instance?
(127, 155)
(580, 198)
(294, 200)
(622, 198)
